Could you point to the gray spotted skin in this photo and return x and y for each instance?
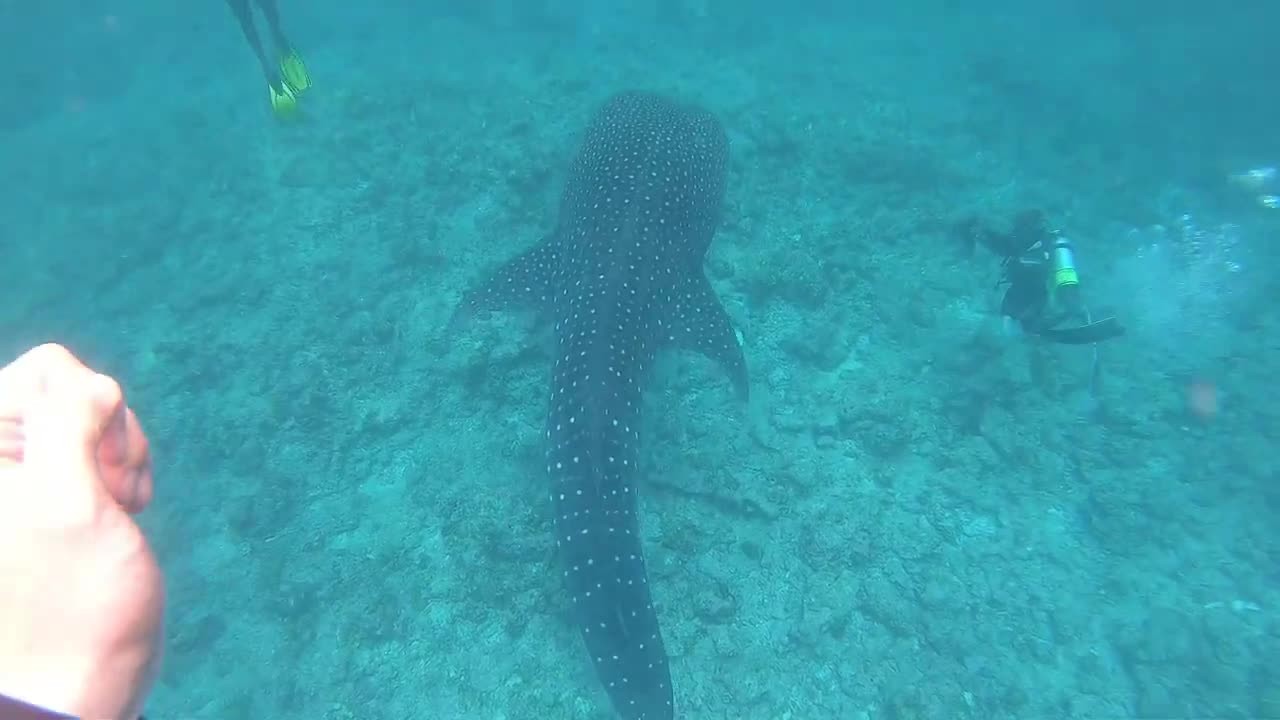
(621, 278)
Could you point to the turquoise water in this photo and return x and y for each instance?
(919, 516)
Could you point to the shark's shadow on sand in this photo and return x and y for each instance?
(620, 279)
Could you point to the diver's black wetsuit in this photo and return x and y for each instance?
(244, 14)
(1027, 298)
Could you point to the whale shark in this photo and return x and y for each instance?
(619, 279)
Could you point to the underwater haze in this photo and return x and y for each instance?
(922, 512)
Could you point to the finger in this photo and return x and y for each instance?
(11, 440)
(20, 383)
(21, 379)
(63, 428)
(123, 457)
(124, 461)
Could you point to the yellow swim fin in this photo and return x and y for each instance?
(294, 72)
(284, 103)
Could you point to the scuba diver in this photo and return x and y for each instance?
(1043, 296)
(287, 78)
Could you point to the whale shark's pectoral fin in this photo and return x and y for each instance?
(699, 322)
(523, 283)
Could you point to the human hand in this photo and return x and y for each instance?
(82, 600)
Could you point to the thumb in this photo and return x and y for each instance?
(63, 427)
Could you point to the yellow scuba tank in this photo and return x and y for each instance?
(1064, 282)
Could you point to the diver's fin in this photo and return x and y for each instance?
(284, 103)
(1104, 329)
(294, 72)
